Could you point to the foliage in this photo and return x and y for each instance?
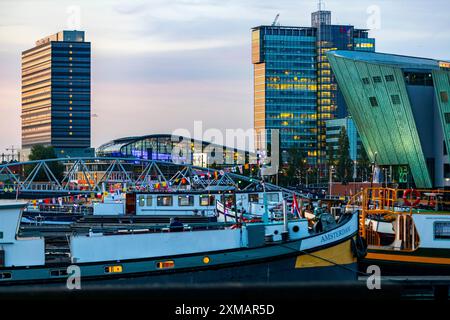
(344, 163)
(41, 152)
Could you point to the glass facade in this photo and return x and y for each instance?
(333, 131)
(396, 105)
(294, 87)
(56, 107)
(164, 147)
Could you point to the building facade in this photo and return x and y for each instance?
(56, 94)
(333, 131)
(177, 149)
(294, 87)
(401, 109)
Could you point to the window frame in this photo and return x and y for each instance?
(159, 201)
(189, 203)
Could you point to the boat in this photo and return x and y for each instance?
(214, 252)
(405, 236)
(151, 206)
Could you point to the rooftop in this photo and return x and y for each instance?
(389, 59)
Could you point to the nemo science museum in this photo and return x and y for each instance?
(401, 108)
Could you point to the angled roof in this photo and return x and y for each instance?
(392, 60)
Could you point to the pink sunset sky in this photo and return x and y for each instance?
(160, 65)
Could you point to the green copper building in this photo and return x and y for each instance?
(401, 109)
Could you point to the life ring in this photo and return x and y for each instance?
(413, 193)
(359, 247)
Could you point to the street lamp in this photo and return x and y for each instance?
(331, 179)
(374, 163)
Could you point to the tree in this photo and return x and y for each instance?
(330, 155)
(344, 162)
(296, 167)
(364, 163)
(41, 152)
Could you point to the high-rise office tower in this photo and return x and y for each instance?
(294, 87)
(56, 94)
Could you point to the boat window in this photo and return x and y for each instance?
(5, 275)
(58, 272)
(253, 197)
(165, 264)
(272, 197)
(206, 200)
(164, 201)
(442, 230)
(184, 201)
(141, 201)
(149, 201)
(113, 269)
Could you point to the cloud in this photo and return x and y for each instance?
(161, 64)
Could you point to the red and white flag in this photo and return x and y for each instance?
(295, 209)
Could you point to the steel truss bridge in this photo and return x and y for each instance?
(77, 176)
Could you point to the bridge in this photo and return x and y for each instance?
(96, 175)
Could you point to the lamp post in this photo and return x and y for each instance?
(331, 179)
(374, 163)
(355, 173)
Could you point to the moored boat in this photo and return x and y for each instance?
(404, 236)
(273, 251)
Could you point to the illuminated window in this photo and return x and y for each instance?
(113, 269)
(184, 201)
(165, 264)
(206, 200)
(164, 201)
(141, 200)
(444, 96)
(149, 201)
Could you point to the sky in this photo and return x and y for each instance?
(160, 65)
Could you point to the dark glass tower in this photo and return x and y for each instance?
(56, 99)
(294, 87)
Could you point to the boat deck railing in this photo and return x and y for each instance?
(389, 201)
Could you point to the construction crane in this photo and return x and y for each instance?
(12, 149)
(275, 21)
